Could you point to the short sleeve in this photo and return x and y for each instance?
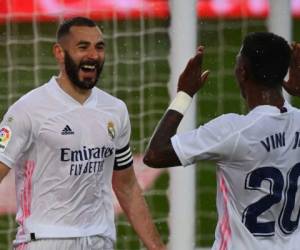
(123, 157)
(15, 134)
(215, 140)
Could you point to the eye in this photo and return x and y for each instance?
(82, 47)
(100, 46)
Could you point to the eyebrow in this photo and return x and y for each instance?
(82, 42)
(100, 43)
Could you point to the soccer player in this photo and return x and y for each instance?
(68, 142)
(257, 154)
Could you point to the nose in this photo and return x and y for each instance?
(93, 54)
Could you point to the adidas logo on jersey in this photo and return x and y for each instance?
(67, 131)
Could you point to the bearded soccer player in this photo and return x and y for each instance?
(257, 154)
(68, 142)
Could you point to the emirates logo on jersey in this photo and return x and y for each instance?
(111, 129)
(86, 160)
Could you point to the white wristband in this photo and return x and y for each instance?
(181, 102)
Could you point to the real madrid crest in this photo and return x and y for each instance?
(111, 130)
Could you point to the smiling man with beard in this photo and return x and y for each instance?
(68, 142)
(72, 70)
(79, 52)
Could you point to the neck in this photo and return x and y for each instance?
(80, 95)
(260, 95)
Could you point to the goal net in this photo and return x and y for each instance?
(137, 71)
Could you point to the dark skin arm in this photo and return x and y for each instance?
(292, 85)
(160, 152)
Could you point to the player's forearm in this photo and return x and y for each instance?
(137, 212)
(160, 152)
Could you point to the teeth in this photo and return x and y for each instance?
(88, 66)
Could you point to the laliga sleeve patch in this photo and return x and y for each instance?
(5, 135)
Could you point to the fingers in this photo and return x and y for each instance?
(193, 78)
(295, 48)
(295, 60)
(200, 49)
(292, 86)
(204, 76)
(198, 59)
(295, 45)
(199, 55)
(195, 63)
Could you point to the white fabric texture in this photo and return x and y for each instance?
(258, 169)
(64, 154)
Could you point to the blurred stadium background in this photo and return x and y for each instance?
(137, 70)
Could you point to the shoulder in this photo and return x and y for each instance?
(226, 127)
(24, 109)
(229, 118)
(228, 123)
(294, 109)
(29, 100)
(107, 100)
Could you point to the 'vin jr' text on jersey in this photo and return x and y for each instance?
(278, 140)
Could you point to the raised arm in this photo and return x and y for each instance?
(131, 200)
(160, 152)
(292, 85)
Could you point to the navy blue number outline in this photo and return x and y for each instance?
(275, 177)
(286, 225)
(253, 181)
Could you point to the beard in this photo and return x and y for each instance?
(72, 70)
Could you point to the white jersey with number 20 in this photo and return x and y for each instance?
(258, 175)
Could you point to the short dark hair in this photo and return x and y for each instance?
(268, 56)
(65, 26)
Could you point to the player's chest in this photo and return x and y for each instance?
(77, 128)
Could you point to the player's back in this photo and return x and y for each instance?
(259, 182)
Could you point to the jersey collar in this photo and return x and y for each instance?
(57, 91)
(269, 109)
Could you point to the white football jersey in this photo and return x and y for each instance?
(64, 154)
(258, 176)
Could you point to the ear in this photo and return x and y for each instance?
(58, 53)
(244, 72)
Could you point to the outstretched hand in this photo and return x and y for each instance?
(192, 78)
(292, 86)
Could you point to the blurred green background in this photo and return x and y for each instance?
(137, 71)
